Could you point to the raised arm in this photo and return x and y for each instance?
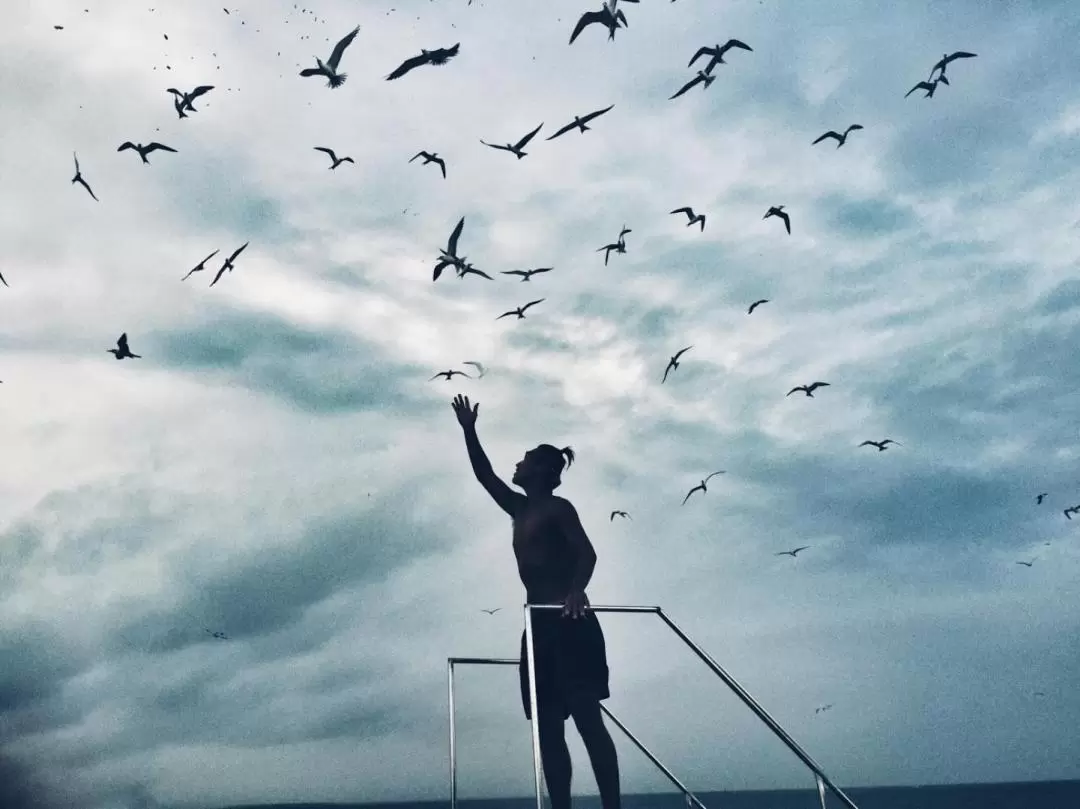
(502, 494)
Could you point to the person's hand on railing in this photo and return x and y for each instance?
(575, 604)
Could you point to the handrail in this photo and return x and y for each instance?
(690, 797)
(730, 681)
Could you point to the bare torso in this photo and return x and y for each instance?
(545, 562)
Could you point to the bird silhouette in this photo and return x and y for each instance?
(515, 148)
(183, 100)
(329, 69)
(673, 363)
(691, 216)
(78, 178)
(336, 160)
(122, 351)
(1039, 498)
(808, 389)
(449, 375)
(792, 552)
(476, 365)
(466, 268)
(778, 210)
(580, 122)
(520, 311)
(608, 16)
(949, 57)
(717, 53)
(145, 150)
(527, 274)
(228, 265)
(701, 76)
(438, 56)
(881, 445)
(1027, 564)
(823, 708)
(928, 86)
(701, 486)
(755, 305)
(449, 256)
(218, 635)
(201, 265)
(1070, 511)
(840, 139)
(619, 513)
(431, 157)
(492, 612)
(2, 281)
(618, 247)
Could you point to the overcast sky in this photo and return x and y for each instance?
(278, 467)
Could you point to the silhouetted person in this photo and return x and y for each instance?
(555, 561)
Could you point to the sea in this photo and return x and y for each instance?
(1022, 795)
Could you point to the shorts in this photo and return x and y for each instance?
(571, 661)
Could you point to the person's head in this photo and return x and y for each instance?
(541, 468)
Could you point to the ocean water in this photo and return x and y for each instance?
(1024, 795)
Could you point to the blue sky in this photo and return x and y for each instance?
(278, 467)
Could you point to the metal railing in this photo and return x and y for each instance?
(691, 798)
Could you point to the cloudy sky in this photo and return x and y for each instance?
(278, 467)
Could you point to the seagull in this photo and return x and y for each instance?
(145, 150)
(439, 56)
(183, 100)
(949, 57)
(450, 374)
(121, 351)
(691, 216)
(808, 389)
(1027, 564)
(580, 121)
(465, 269)
(929, 86)
(431, 157)
(755, 305)
(178, 105)
(330, 67)
(517, 147)
(1039, 498)
(78, 178)
(520, 311)
(717, 53)
(228, 265)
(218, 635)
(823, 708)
(879, 444)
(2, 281)
(792, 552)
(449, 256)
(778, 210)
(201, 265)
(840, 139)
(618, 247)
(619, 513)
(701, 76)
(526, 274)
(1070, 511)
(673, 363)
(334, 157)
(492, 612)
(606, 16)
(701, 486)
(478, 367)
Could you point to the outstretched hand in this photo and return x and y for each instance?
(466, 415)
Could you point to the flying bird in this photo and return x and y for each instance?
(673, 363)
(201, 265)
(121, 351)
(515, 148)
(618, 247)
(329, 69)
(183, 100)
(450, 374)
(808, 389)
(439, 56)
(928, 86)
(840, 139)
(717, 53)
(792, 552)
(823, 708)
(881, 445)
(449, 256)
(1039, 498)
(478, 367)
(520, 311)
(218, 635)
(691, 216)
(778, 210)
(465, 269)
(949, 57)
(580, 122)
(492, 612)
(607, 16)
(228, 265)
(755, 305)
(431, 157)
(701, 76)
(1070, 511)
(337, 161)
(526, 274)
(619, 513)
(701, 486)
(1027, 564)
(78, 178)
(145, 150)
(2, 281)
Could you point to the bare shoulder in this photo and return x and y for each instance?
(562, 507)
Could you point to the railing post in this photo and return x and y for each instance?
(453, 749)
(530, 652)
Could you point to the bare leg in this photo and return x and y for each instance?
(601, 749)
(555, 756)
